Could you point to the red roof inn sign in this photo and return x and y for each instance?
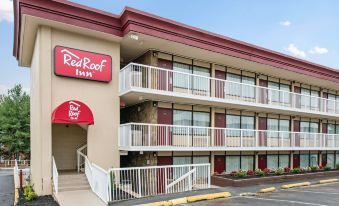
(82, 64)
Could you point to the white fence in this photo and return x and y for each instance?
(11, 163)
(17, 172)
(55, 176)
(130, 183)
(159, 79)
(160, 135)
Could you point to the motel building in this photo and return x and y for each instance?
(110, 93)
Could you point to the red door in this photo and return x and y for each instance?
(296, 128)
(323, 141)
(220, 122)
(324, 102)
(323, 160)
(262, 134)
(262, 164)
(296, 161)
(220, 85)
(263, 91)
(297, 97)
(164, 77)
(164, 133)
(163, 175)
(219, 164)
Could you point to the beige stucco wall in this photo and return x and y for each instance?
(48, 91)
(66, 139)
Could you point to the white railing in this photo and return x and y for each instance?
(137, 182)
(23, 172)
(81, 153)
(159, 79)
(55, 176)
(143, 135)
(11, 163)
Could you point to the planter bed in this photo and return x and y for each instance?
(227, 180)
(41, 200)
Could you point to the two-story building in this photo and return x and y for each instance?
(138, 90)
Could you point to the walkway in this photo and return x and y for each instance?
(79, 197)
(6, 187)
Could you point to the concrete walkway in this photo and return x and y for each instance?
(6, 187)
(79, 197)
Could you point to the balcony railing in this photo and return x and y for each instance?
(164, 80)
(159, 136)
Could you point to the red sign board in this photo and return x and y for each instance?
(82, 64)
(73, 112)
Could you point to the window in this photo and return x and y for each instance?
(232, 163)
(179, 79)
(309, 99)
(331, 103)
(314, 160)
(233, 87)
(201, 171)
(330, 160)
(272, 161)
(240, 122)
(279, 92)
(201, 83)
(233, 121)
(247, 162)
(181, 117)
(181, 160)
(284, 161)
(304, 160)
(247, 90)
(273, 93)
(201, 119)
(282, 128)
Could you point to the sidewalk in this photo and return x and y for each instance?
(79, 197)
(6, 187)
(235, 191)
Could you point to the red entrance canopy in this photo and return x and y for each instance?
(72, 112)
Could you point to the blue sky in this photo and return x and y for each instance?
(306, 29)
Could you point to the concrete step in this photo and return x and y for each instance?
(74, 188)
(73, 182)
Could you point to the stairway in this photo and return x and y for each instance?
(73, 181)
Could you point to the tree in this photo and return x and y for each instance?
(14, 122)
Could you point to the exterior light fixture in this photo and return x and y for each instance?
(134, 37)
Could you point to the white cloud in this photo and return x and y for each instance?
(295, 51)
(3, 89)
(285, 23)
(6, 10)
(318, 50)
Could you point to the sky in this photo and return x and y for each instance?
(306, 29)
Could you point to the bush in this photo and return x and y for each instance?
(314, 168)
(327, 168)
(233, 173)
(296, 170)
(337, 166)
(241, 174)
(259, 172)
(287, 169)
(267, 171)
(279, 171)
(29, 193)
(250, 172)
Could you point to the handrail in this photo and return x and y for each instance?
(55, 176)
(222, 128)
(223, 80)
(155, 167)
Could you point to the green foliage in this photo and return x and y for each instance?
(241, 174)
(259, 172)
(314, 168)
(29, 193)
(296, 170)
(327, 168)
(279, 171)
(14, 121)
(337, 166)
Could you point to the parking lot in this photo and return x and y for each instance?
(317, 195)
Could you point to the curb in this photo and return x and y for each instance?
(328, 181)
(16, 196)
(301, 184)
(189, 199)
(266, 190)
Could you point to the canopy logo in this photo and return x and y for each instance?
(82, 64)
(74, 110)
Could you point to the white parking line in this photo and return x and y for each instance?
(308, 191)
(289, 201)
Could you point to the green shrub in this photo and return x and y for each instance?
(327, 168)
(314, 168)
(241, 174)
(296, 170)
(259, 172)
(279, 171)
(29, 193)
(337, 166)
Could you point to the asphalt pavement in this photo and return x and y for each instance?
(6, 187)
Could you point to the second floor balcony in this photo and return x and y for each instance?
(160, 137)
(163, 84)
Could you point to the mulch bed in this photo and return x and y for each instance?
(226, 180)
(46, 200)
